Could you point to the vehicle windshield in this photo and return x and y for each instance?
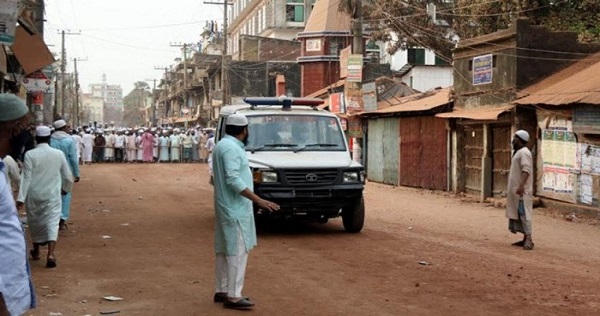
(284, 132)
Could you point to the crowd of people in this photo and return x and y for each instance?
(147, 145)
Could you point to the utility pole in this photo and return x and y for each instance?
(75, 120)
(63, 69)
(224, 69)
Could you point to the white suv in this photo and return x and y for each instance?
(300, 159)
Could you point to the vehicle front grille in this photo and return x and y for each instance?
(323, 176)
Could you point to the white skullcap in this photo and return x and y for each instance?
(140, 131)
(42, 131)
(59, 124)
(236, 119)
(522, 135)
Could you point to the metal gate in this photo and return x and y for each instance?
(473, 153)
(423, 158)
(383, 150)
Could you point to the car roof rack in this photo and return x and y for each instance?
(285, 102)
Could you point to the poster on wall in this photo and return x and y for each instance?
(586, 183)
(482, 69)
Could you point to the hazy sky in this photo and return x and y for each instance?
(125, 39)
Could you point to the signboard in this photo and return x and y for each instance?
(313, 45)
(482, 69)
(9, 12)
(344, 61)
(354, 127)
(336, 103)
(355, 66)
(353, 97)
(36, 81)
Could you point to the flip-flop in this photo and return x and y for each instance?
(33, 254)
(519, 243)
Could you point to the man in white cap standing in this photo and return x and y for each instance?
(46, 176)
(519, 199)
(64, 142)
(17, 295)
(175, 144)
(235, 232)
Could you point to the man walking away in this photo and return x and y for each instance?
(519, 199)
(235, 232)
(88, 145)
(78, 144)
(62, 141)
(46, 175)
(16, 290)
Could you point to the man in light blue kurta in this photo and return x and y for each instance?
(65, 143)
(235, 232)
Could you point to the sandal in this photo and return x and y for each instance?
(35, 255)
(51, 263)
(519, 243)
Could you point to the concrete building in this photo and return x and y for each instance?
(112, 94)
(279, 19)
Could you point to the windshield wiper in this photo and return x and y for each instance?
(252, 150)
(315, 145)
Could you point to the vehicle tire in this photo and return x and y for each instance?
(353, 216)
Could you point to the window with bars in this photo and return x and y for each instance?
(416, 56)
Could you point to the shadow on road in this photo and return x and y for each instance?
(277, 227)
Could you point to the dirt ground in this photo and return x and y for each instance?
(159, 257)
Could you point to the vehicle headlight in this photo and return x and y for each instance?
(351, 177)
(262, 176)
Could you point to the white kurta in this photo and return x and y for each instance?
(521, 162)
(12, 173)
(88, 146)
(78, 144)
(175, 141)
(45, 174)
(140, 148)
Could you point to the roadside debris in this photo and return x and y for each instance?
(113, 298)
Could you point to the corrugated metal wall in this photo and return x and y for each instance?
(423, 159)
(383, 150)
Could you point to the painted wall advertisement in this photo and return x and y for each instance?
(482, 69)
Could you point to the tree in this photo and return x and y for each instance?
(406, 23)
(133, 104)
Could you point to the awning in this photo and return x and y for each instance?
(31, 51)
(480, 114)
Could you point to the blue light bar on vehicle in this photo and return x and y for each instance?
(285, 102)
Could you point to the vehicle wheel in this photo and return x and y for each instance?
(353, 216)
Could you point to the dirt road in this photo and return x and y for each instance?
(159, 257)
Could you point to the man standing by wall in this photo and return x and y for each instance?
(46, 175)
(64, 142)
(16, 290)
(235, 232)
(519, 199)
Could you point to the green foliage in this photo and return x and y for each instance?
(408, 21)
(133, 104)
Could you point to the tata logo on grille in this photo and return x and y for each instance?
(311, 177)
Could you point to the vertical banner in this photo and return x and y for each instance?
(9, 12)
(354, 127)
